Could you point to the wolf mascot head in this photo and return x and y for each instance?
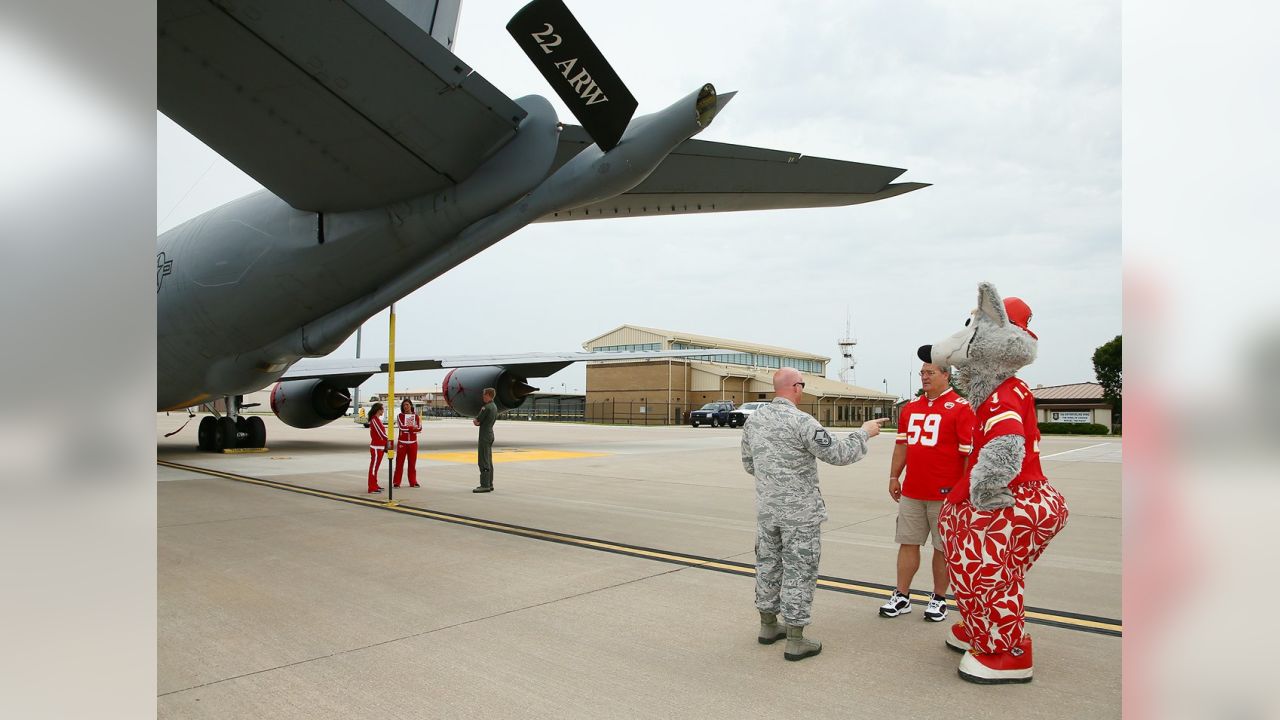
(993, 345)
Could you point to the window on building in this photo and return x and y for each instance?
(628, 348)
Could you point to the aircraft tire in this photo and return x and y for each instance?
(257, 433)
(226, 433)
(207, 429)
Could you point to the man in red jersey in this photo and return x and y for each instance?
(935, 437)
(1001, 517)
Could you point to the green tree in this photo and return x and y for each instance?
(1108, 367)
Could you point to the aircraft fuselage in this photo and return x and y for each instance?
(248, 289)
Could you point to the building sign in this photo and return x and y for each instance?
(1071, 416)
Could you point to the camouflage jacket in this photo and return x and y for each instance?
(780, 447)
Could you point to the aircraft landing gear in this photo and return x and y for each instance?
(206, 432)
(231, 430)
(257, 432)
(227, 432)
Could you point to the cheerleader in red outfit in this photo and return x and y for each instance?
(377, 445)
(409, 425)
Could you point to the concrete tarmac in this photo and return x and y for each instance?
(277, 603)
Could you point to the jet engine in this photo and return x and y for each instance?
(462, 388)
(309, 403)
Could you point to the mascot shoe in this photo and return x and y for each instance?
(958, 638)
(1012, 666)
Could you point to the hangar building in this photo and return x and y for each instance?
(663, 392)
(1075, 403)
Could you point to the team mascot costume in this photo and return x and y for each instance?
(1000, 518)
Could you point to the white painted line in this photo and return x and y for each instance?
(1064, 452)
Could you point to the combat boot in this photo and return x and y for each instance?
(771, 631)
(798, 647)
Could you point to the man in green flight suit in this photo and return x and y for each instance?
(484, 455)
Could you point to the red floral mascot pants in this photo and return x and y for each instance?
(989, 554)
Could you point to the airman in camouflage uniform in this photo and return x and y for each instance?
(484, 449)
(780, 447)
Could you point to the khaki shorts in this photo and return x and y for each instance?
(917, 520)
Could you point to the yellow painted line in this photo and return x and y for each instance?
(1077, 622)
(1101, 625)
(272, 484)
(842, 585)
(1047, 617)
(508, 455)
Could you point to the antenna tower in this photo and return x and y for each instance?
(846, 344)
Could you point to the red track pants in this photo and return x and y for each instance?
(989, 554)
(375, 462)
(407, 452)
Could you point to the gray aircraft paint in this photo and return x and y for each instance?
(252, 288)
(246, 290)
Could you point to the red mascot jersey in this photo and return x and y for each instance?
(1011, 410)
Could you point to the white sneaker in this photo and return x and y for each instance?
(936, 610)
(898, 604)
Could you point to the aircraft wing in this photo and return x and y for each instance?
(701, 176)
(350, 372)
(332, 106)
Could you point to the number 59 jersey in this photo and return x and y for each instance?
(938, 434)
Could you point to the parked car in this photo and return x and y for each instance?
(738, 417)
(713, 414)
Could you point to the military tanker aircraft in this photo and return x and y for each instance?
(387, 161)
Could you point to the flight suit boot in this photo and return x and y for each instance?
(799, 647)
(771, 631)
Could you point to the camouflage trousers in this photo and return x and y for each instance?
(787, 570)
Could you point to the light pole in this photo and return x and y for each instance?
(357, 398)
(391, 404)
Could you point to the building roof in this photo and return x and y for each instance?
(1076, 391)
(814, 384)
(713, 342)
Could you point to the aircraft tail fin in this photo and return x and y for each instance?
(438, 18)
(565, 55)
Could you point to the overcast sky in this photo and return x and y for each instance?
(1010, 109)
